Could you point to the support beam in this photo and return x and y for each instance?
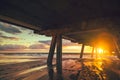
(59, 57)
(82, 50)
(50, 58)
(19, 23)
(92, 54)
(87, 31)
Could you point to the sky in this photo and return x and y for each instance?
(15, 39)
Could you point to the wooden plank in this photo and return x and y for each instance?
(19, 23)
(87, 31)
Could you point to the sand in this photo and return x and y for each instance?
(73, 69)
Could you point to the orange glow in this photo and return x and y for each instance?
(104, 41)
(76, 49)
(100, 51)
(72, 49)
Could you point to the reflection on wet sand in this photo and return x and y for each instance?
(84, 69)
(16, 59)
(91, 69)
(20, 68)
(31, 70)
(73, 69)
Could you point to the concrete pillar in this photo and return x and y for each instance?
(82, 50)
(50, 58)
(59, 57)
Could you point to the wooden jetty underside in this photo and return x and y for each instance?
(81, 21)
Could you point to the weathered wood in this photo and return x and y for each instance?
(19, 23)
(82, 50)
(51, 32)
(59, 57)
(50, 58)
(92, 54)
(87, 31)
(51, 51)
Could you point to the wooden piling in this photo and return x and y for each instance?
(82, 50)
(59, 57)
(50, 58)
(51, 51)
(92, 54)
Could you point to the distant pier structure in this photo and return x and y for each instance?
(88, 22)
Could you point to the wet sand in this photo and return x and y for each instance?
(73, 69)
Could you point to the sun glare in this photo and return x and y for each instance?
(100, 51)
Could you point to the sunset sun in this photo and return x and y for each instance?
(100, 51)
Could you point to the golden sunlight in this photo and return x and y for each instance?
(100, 50)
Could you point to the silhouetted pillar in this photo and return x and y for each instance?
(92, 52)
(59, 57)
(96, 52)
(82, 50)
(50, 57)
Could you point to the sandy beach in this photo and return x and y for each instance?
(35, 68)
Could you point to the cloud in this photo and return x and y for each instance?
(1, 34)
(11, 38)
(22, 28)
(48, 42)
(6, 37)
(64, 42)
(9, 28)
(69, 43)
(11, 47)
(37, 46)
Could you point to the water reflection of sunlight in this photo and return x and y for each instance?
(31, 70)
(96, 66)
(16, 59)
(11, 61)
(99, 65)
